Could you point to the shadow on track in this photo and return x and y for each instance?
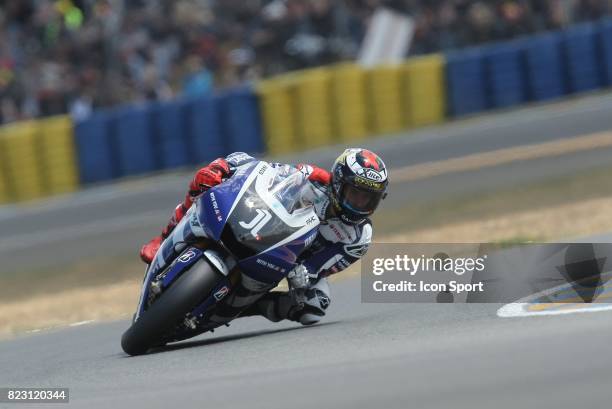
(228, 338)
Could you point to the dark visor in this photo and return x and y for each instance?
(363, 201)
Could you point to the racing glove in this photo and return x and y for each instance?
(209, 176)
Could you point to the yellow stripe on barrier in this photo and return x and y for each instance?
(278, 114)
(385, 99)
(349, 100)
(58, 154)
(22, 164)
(313, 107)
(425, 90)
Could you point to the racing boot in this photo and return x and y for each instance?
(306, 306)
(148, 251)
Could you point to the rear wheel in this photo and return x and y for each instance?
(171, 307)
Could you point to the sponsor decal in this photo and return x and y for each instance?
(259, 221)
(368, 183)
(185, 258)
(221, 293)
(343, 263)
(323, 300)
(269, 265)
(215, 205)
(309, 240)
(305, 169)
(238, 158)
(373, 175)
(356, 250)
(335, 228)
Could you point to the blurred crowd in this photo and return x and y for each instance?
(59, 56)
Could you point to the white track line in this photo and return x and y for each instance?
(514, 310)
(79, 323)
(522, 307)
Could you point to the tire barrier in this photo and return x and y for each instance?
(582, 58)
(133, 139)
(505, 74)
(240, 121)
(349, 102)
(22, 160)
(342, 103)
(94, 147)
(314, 114)
(58, 158)
(425, 90)
(605, 39)
(544, 67)
(203, 128)
(279, 115)
(385, 102)
(466, 82)
(170, 134)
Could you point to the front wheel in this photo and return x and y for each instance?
(170, 308)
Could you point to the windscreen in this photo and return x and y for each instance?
(287, 187)
(257, 222)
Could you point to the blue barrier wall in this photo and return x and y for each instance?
(605, 40)
(96, 160)
(170, 133)
(139, 139)
(505, 74)
(240, 121)
(134, 140)
(582, 58)
(203, 130)
(544, 64)
(466, 82)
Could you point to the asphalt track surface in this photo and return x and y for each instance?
(362, 355)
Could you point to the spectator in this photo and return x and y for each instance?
(198, 79)
(59, 56)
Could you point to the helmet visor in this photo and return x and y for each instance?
(359, 200)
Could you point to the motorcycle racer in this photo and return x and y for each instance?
(343, 199)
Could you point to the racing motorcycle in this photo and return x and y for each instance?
(253, 226)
